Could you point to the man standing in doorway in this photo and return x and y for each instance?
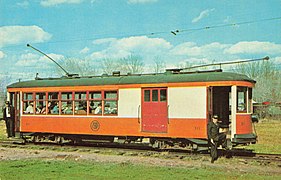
(215, 138)
(9, 117)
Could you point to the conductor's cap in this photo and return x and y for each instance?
(215, 116)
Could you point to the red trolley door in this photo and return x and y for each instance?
(154, 110)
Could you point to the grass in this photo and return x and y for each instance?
(3, 133)
(269, 135)
(46, 169)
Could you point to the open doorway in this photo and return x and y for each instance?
(221, 103)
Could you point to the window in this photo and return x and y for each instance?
(241, 99)
(95, 106)
(28, 103)
(146, 95)
(110, 102)
(250, 92)
(66, 107)
(163, 95)
(71, 103)
(53, 103)
(80, 103)
(66, 103)
(103, 102)
(40, 103)
(155, 95)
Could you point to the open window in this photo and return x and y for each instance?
(95, 98)
(242, 102)
(80, 103)
(66, 103)
(40, 104)
(110, 102)
(28, 103)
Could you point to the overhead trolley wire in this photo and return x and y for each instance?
(174, 32)
(224, 25)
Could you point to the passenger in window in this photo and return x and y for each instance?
(98, 110)
(43, 111)
(39, 109)
(81, 108)
(84, 106)
(241, 107)
(92, 108)
(55, 109)
(107, 109)
(68, 109)
(29, 109)
(114, 111)
(114, 108)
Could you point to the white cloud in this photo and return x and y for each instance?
(2, 55)
(23, 4)
(187, 48)
(202, 15)
(37, 61)
(104, 41)
(255, 47)
(55, 57)
(28, 59)
(141, 1)
(139, 45)
(276, 59)
(84, 50)
(214, 50)
(49, 3)
(22, 34)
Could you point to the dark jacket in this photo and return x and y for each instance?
(213, 131)
(12, 112)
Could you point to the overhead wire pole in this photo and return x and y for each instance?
(67, 74)
(225, 63)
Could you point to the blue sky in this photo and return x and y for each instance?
(91, 30)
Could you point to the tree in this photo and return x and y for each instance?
(78, 66)
(256, 69)
(159, 65)
(109, 65)
(132, 64)
(4, 81)
(268, 80)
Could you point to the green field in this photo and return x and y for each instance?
(269, 141)
(269, 137)
(46, 169)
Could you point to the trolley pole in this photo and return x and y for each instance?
(67, 74)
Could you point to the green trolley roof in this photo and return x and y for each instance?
(133, 79)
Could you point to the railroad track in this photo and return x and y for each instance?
(141, 150)
(259, 156)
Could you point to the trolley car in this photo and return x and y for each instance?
(165, 108)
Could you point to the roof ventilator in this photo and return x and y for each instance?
(116, 73)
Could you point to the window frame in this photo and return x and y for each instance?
(110, 99)
(28, 101)
(244, 102)
(43, 101)
(50, 98)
